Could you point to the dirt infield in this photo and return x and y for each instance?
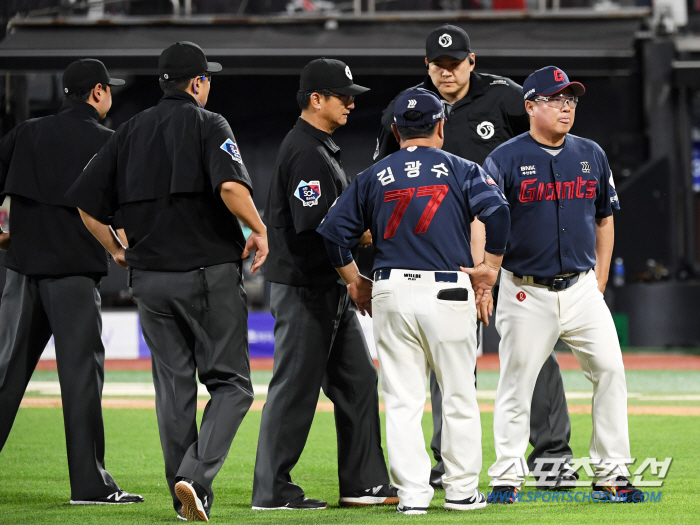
(327, 406)
(567, 361)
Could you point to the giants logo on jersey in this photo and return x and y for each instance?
(531, 190)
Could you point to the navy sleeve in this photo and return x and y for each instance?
(222, 157)
(344, 224)
(482, 192)
(606, 196)
(497, 230)
(338, 255)
(95, 191)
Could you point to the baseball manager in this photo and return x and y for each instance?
(555, 270)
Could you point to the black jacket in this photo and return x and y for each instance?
(39, 160)
(308, 179)
(492, 112)
(161, 170)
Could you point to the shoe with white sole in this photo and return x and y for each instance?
(380, 495)
(116, 498)
(411, 510)
(478, 501)
(301, 503)
(195, 501)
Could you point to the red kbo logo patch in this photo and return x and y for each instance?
(521, 296)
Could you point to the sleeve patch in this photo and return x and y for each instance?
(231, 148)
(308, 192)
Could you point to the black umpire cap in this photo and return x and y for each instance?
(447, 40)
(84, 74)
(185, 60)
(328, 73)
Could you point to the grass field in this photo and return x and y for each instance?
(34, 479)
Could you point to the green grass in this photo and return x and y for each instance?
(34, 478)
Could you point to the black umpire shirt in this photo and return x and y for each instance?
(492, 112)
(39, 160)
(162, 170)
(308, 178)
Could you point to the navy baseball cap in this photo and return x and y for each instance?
(85, 74)
(328, 73)
(548, 81)
(447, 40)
(185, 60)
(421, 100)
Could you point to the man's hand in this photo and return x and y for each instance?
(365, 240)
(4, 240)
(360, 290)
(485, 308)
(257, 242)
(120, 257)
(484, 275)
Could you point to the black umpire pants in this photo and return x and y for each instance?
(69, 308)
(196, 322)
(550, 426)
(318, 344)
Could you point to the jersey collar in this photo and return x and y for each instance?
(183, 96)
(477, 87)
(322, 136)
(80, 108)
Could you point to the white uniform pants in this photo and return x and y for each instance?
(530, 320)
(415, 331)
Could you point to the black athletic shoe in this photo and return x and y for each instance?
(195, 501)
(116, 498)
(301, 503)
(503, 494)
(436, 478)
(411, 510)
(380, 495)
(566, 479)
(619, 490)
(478, 501)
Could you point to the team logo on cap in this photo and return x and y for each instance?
(308, 192)
(412, 103)
(231, 148)
(347, 72)
(165, 76)
(445, 40)
(558, 75)
(485, 130)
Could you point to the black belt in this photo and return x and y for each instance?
(440, 277)
(556, 283)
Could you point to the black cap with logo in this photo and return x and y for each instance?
(447, 40)
(84, 74)
(185, 60)
(328, 73)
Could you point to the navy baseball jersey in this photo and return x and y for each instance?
(418, 204)
(555, 196)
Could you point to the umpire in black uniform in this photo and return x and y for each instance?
(318, 339)
(176, 175)
(54, 267)
(482, 112)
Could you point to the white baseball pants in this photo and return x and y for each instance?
(530, 319)
(415, 331)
